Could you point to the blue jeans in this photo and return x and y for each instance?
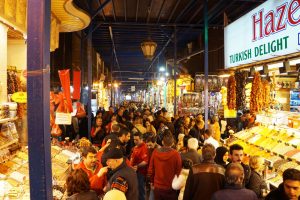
(141, 182)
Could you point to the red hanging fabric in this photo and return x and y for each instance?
(76, 84)
(64, 76)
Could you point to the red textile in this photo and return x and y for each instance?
(93, 132)
(164, 164)
(64, 76)
(97, 183)
(76, 84)
(140, 154)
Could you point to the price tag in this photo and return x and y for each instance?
(63, 118)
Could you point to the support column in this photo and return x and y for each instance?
(38, 87)
(175, 69)
(206, 62)
(82, 67)
(89, 60)
(3, 62)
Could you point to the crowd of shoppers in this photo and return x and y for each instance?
(137, 155)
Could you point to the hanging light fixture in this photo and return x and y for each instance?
(148, 48)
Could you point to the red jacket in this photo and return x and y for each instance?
(97, 183)
(165, 162)
(140, 154)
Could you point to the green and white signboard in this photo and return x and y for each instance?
(270, 30)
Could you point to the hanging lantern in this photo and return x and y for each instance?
(148, 48)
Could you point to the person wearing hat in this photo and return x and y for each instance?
(116, 162)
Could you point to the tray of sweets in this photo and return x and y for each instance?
(287, 165)
(254, 139)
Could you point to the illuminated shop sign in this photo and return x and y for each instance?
(270, 30)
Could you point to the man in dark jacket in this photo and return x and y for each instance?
(234, 190)
(289, 189)
(198, 130)
(192, 153)
(205, 178)
(236, 154)
(120, 170)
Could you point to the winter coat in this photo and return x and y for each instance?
(257, 184)
(234, 193)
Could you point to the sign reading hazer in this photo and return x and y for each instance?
(270, 30)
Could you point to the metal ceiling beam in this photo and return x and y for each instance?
(173, 11)
(220, 11)
(100, 8)
(125, 10)
(195, 13)
(114, 11)
(160, 11)
(137, 10)
(150, 24)
(186, 8)
(149, 11)
(164, 33)
(100, 4)
(216, 9)
(253, 1)
(114, 46)
(92, 30)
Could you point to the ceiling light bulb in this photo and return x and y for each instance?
(162, 69)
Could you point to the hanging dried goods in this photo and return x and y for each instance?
(240, 78)
(231, 93)
(256, 101)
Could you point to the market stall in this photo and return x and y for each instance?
(265, 61)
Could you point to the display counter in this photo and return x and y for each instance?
(279, 145)
(14, 170)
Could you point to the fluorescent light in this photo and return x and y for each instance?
(224, 75)
(294, 62)
(162, 69)
(167, 74)
(275, 65)
(259, 68)
(138, 79)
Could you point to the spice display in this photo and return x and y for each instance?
(231, 93)
(240, 78)
(256, 102)
(265, 94)
(224, 95)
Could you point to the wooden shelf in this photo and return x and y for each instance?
(8, 120)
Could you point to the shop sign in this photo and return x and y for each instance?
(270, 30)
(19, 97)
(63, 118)
(132, 88)
(230, 113)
